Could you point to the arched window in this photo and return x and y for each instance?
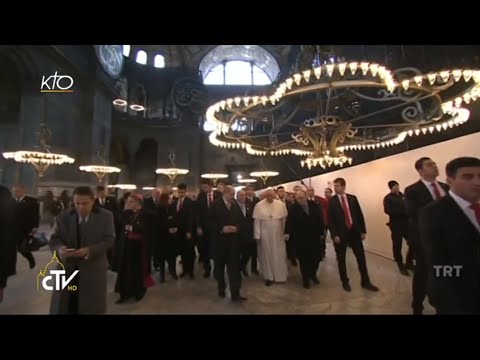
(142, 57)
(159, 61)
(126, 50)
(239, 65)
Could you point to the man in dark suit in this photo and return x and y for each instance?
(323, 203)
(204, 202)
(347, 226)
(245, 232)
(226, 219)
(25, 222)
(104, 201)
(8, 247)
(182, 222)
(450, 234)
(152, 206)
(252, 200)
(305, 222)
(394, 207)
(417, 196)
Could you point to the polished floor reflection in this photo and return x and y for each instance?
(199, 296)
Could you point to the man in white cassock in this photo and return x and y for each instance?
(269, 223)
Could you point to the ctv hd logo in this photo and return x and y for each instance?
(55, 279)
(56, 83)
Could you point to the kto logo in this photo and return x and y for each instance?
(56, 83)
(55, 279)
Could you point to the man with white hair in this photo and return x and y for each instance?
(269, 224)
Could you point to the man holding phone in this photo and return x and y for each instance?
(82, 238)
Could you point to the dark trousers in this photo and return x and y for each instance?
(355, 241)
(22, 248)
(309, 262)
(167, 255)
(420, 275)
(291, 251)
(399, 232)
(204, 250)
(249, 252)
(187, 251)
(227, 253)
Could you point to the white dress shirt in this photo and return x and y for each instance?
(429, 186)
(467, 210)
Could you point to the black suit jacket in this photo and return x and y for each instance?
(450, 238)
(183, 219)
(337, 224)
(8, 247)
(26, 215)
(220, 216)
(305, 228)
(246, 224)
(110, 204)
(416, 197)
(202, 210)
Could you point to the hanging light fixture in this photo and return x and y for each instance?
(324, 113)
(264, 175)
(214, 177)
(100, 170)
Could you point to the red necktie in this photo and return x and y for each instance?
(346, 211)
(436, 191)
(476, 208)
(209, 199)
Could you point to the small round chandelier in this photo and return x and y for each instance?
(264, 175)
(172, 173)
(247, 181)
(100, 170)
(41, 161)
(123, 186)
(323, 114)
(214, 177)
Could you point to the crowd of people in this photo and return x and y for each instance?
(243, 235)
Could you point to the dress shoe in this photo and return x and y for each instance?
(140, 296)
(315, 280)
(306, 284)
(206, 274)
(370, 286)
(221, 293)
(294, 262)
(404, 271)
(244, 273)
(121, 300)
(346, 287)
(269, 282)
(238, 298)
(31, 262)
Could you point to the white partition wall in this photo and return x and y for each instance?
(369, 183)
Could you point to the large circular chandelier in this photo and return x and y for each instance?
(323, 114)
(40, 160)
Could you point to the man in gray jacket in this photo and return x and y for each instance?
(81, 240)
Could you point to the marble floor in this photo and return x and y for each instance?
(199, 296)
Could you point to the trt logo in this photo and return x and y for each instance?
(445, 271)
(55, 279)
(56, 83)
